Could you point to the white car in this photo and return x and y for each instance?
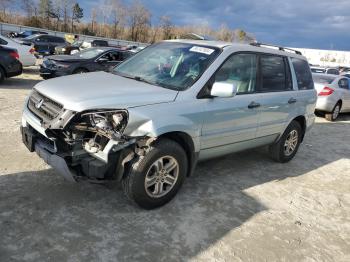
(333, 94)
(25, 57)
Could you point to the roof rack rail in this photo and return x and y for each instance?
(278, 47)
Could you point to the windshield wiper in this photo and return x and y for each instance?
(141, 79)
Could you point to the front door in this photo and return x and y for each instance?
(227, 121)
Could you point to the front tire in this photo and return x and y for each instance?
(80, 71)
(334, 114)
(287, 146)
(155, 178)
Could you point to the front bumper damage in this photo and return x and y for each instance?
(75, 162)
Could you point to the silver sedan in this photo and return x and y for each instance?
(333, 95)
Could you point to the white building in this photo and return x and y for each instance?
(327, 58)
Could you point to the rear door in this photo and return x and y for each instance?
(277, 98)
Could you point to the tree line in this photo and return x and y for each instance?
(108, 18)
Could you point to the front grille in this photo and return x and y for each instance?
(43, 107)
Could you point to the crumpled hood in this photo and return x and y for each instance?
(101, 90)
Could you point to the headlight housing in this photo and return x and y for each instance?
(107, 120)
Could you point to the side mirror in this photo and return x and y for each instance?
(102, 60)
(223, 89)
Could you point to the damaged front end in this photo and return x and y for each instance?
(90, 144)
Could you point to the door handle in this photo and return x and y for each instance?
(253, 105)
(292, 100)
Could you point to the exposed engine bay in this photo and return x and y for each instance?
(93, 145)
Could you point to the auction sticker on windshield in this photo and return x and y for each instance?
(202, 50)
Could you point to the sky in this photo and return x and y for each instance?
(321, 24)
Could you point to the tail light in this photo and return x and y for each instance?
(326, 91)
(14, 55)
(32, 50)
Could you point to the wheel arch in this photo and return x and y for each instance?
(81, 68)
(302, 122)
(187, 143)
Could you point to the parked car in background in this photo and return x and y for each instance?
(346, 74)
(9, 64)
(89, 60)
(332, 71)
(324, 70)
(167, 107)
(90, 43)
(68, 49)
(43, 44)
(333, 95)
(25, 56)
(25, 34)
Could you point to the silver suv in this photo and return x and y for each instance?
(175, 103)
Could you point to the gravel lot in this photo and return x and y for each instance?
(242, 207)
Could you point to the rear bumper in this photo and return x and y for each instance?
(44, 71)
(325, 104)
(14, 69)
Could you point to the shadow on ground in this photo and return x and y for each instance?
(27, 80)
(42, 216)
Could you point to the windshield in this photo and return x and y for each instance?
(77, 43)
(89, 53)
(168, 64)
(323, 79)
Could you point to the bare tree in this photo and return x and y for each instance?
(139, 21)
(166, 27)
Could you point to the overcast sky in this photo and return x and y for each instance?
(321, 24)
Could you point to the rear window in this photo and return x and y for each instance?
(303, 74)
(275, 75)
(318, 70)
(323, 79)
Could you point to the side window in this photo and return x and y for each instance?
(343, 83)
(303, 74)
(3, 42)
(126, 55)
(239, 69)
(275, 75)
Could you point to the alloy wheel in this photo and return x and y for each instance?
(161, 176)
(291, 142)
(336, 112)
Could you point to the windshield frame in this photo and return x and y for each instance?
(217, 50)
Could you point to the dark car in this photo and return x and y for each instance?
(9, 63)
(68, 48)
(25, 34)
(89, 60)
(43, 44)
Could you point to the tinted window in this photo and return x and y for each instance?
(343, 83)
(318, 70)
(113, 56)
(3, 42)
(99, 43)
(274, 74)
(240, 70)
(303, 74)
(332, 71)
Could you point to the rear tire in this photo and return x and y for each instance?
(334, 114)
(287, 146)
(155, 178)
(2, 74)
